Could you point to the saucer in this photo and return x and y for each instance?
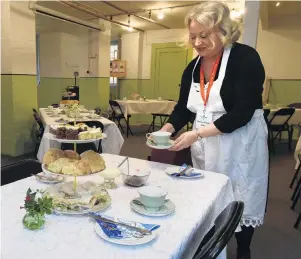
(164, 210)
(171, 143)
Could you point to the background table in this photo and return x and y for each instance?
(112, 144)
(198, 203)
(146, 107)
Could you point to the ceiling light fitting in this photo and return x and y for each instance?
(277, 4)
(160, 15)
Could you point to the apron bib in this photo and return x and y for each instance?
(241, 155)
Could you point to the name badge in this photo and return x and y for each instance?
(203, 118)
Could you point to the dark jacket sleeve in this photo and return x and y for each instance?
(181, 115)
(247, 90)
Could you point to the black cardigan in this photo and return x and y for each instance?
(241, 90)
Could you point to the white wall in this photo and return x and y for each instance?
(280, 51)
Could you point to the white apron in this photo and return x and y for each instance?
(241, 155)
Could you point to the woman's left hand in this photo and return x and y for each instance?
(184, 141)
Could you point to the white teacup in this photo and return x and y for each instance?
(160, 137)
(55, 112)
(124, 99)
(159, 98)
(152, 197)
(50, 107)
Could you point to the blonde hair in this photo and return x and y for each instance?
(216, 15)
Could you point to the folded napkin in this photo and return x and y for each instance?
(189, 173)
(120, 232)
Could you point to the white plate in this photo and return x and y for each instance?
(49, 172)
(52, 137)
(171, 143)
(164, 210)
(171, 170)
(60, 178)
(125, 241)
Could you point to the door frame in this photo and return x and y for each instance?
(157, 46)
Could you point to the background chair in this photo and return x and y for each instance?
(295, 105)
(119, 115)
(222, 231)
(40, 131)
(20, 170)
(80, 148)
(296, 197)
(285, 114)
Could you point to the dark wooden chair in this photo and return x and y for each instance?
(19, 170)
(222, 231)
(117, 114)
(287, 113)
(40, 130)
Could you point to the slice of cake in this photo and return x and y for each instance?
(72, 132)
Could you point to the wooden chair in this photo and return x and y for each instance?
(283, 127)
(19, 170)
(222, 231)
(40, 131)
(119, 115)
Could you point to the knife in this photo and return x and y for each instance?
(140, 230)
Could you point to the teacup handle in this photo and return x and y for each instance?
(148, 136)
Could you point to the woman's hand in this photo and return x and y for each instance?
(184, 141)
(167, 128)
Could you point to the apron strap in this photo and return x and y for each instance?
(194, 68)
(225, 58)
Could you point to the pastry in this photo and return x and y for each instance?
(72, 132)
(91, 155)
(95, 133)
(82, 168)
(72, 154)
(52, 155)
(61, 132)
(96, 165)
(69, 168)
(84, 135)
(56, 166)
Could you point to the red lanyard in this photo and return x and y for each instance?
(212, 77)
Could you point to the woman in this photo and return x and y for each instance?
(223, 87)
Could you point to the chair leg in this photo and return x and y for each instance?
(295, 176)
(99, 150)
(128, 129)
(296, 194)
(298, 221)
(151, 125)
(119, 126)
(154, 123)
(290, 137)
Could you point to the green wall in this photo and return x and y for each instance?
(285, 92)
(18, 97)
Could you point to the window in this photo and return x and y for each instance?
(38, 57)
(113, 55)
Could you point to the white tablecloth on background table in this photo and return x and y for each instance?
(198, 203)
(146, 107)
(112, 144)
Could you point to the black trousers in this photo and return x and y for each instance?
(244, 239)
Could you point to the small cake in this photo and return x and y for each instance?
(95, 133)
(84, 135)
(61, 132)
(72, 132)
(53, 129)
(82, 127)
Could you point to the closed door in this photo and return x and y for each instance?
(169, 66)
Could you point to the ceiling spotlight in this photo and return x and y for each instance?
(277, 4)
(160, 15)
(236, 14)
(130, 29)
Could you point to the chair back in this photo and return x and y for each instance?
(38, 120)
(266, 113)
(19, 170)
(223, 229)
(295, 105)
(116, 109)
(282, 116)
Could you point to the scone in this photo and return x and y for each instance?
(96, 165)
(72, 154)
(70, 168)
(90, 155)
(52, 155)
(82, 168)
(56, 166)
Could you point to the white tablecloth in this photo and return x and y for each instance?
(112, 144)
(198, 203)
(146, 107)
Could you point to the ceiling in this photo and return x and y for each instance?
(173, 17)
